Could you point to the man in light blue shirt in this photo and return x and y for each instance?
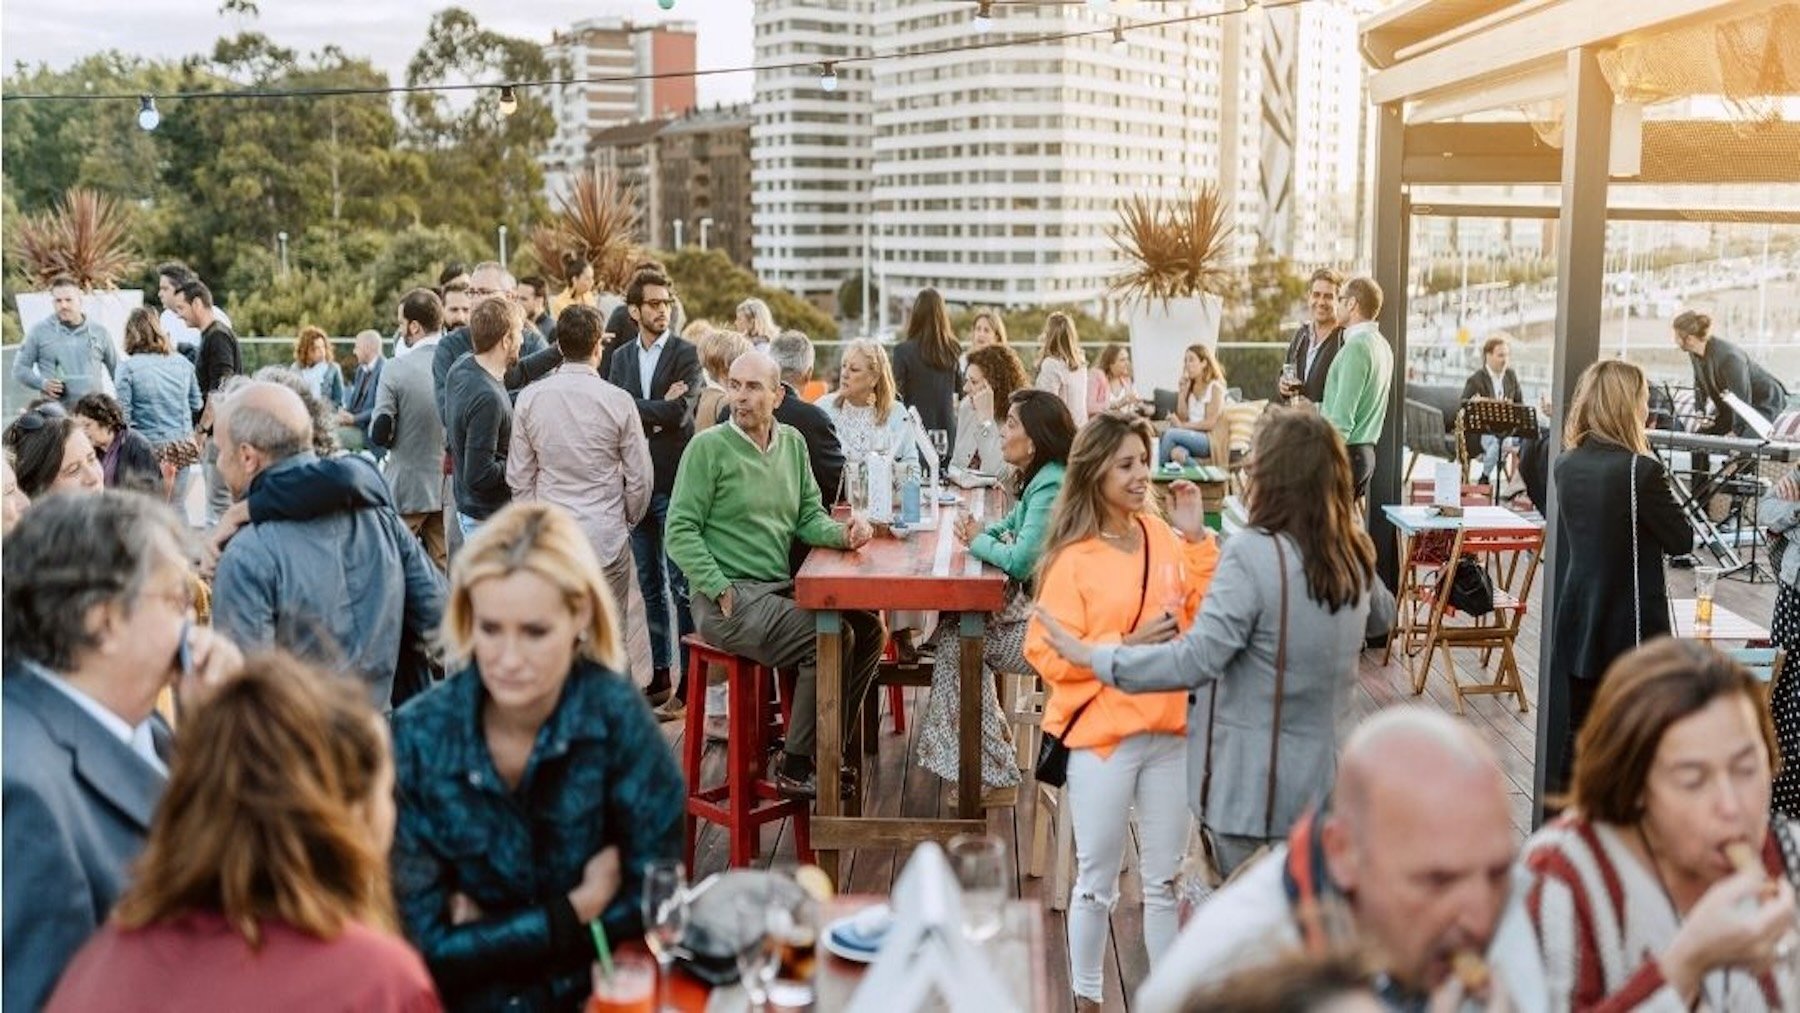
(67, 355)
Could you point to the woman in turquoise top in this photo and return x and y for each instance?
(1034, 440)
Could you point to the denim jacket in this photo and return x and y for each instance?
(599, 774)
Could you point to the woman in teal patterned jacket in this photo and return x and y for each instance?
(533, 785)
(1034, 439)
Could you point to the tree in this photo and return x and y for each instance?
(1265, 295)
(711, 286)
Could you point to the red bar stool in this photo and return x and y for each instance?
(747, 799)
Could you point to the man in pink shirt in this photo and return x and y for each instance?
(577, 442)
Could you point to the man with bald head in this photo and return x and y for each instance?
(1412, 863)
(743, 492)
(326, 569)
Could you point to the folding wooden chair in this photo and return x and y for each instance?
(1497, 631)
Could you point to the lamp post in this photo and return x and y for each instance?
(503, 244)
(281, 238)
(678, 224)
(705, 232)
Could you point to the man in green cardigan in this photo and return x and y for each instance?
(743, 492)
(1362, 375)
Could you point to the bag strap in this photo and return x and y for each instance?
(1280, 685)
(1637, 594)
(1143, 596)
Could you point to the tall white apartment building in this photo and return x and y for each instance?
(998, 175)
(610, 47)
(812, 158)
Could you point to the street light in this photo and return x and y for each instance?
(502, 244)
(281, 238)
(705, 229)
(678, 224)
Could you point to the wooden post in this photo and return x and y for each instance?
(1392, 240)
(829, 733)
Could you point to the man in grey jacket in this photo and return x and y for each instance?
(285, 582)
(407, 423)
(67, 354)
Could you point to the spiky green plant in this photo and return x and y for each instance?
(87, 236)
(597, 220)
(1176, 248)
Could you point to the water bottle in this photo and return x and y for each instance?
(909, 493)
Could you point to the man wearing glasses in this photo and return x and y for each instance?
(488, 278)
(662, 372)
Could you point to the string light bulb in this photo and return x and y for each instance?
(509, 100)
(1118, 42)
(828, 76)
(667, 5)
(984, 17)
(148, 117)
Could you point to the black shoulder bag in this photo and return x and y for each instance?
(1053, 754)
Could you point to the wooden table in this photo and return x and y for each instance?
(1726, 624)
(1020, 957)
(925, 571)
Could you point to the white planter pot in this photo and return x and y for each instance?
(1161, 333)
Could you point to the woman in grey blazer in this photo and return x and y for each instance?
(1304, 549)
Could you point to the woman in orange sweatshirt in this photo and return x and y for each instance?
(1115, 572)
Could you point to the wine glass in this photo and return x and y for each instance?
(940, 442)
(755, 951)
(665, 906)
(1171, 585)
(856, 488)
(980, 864)
(792, 924)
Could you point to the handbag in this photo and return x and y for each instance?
(1471, 587)
(1053, 754)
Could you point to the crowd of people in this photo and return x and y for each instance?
(384, 732)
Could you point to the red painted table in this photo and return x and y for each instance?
(925, 571)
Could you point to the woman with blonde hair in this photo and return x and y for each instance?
(987, 328)
(866, 408)
(1125, 751)
(1616, 519)
(1062, 366)
(1199, 403)
(756, 322)
(534, 786)
(264, 882)
(718, 350)
(313, 361)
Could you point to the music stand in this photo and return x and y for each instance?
(1492, 417)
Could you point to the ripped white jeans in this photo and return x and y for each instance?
(1148, 772)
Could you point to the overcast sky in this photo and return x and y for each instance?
(59, 32)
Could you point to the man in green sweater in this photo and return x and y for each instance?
(1356, 393)
(743, 493)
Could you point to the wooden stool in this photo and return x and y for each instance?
(747, 799)
(1053, 845)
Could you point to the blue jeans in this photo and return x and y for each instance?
(663, 585)
(1490, 452)
(466, 524)
(1198, 444)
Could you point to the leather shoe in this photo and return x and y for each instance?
(793, 787)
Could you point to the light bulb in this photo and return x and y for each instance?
(984, 17)
(1099, 6)
(1118, 43)
(828, 76)
(667, 5)
(509, 101)
(148, 117)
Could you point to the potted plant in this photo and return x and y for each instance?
(1174, 279)
(597, 220)
(87, 236)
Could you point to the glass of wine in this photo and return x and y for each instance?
(980, 864)
(856, 488)
(940, 442)
(665, 907)
(793, 927)
(1171, 586)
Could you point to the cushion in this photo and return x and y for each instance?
(1164, 403)
(1240, 422)
(1787, 427)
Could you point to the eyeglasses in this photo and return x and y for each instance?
(657, 304)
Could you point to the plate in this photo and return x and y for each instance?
(850, 938)
(948, 499)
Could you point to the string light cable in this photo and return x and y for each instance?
(509, 91)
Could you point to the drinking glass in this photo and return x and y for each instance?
(793, 927)
(980, 864)
(1289, 374)
(856, 488)
(755, 952)
(665, 906)
(1171, 586)
(1706, 582)
(631, 988)
(940, 442)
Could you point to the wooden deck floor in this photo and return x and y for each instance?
(898, 786)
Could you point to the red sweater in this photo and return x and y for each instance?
(196, 963)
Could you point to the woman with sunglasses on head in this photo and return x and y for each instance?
(52, 453)
(127, 459)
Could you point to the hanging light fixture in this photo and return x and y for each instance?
(667, 5)
(509, 100)
(148, 117)
(828, 75)
(1118, 43)
(984, 17)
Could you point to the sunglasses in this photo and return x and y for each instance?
(35, 419)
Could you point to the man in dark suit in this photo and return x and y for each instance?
(1317, 341)
(1494, 381)
(662, 371)
(97, 623)
(359, 407)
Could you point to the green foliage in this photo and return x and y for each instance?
(1263, 296)
(412, 258)
(339, 303)
(711, 286)
(850, 297)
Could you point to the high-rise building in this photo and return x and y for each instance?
(810, 206)
(704, 161)
(611, 48)
(998, 175)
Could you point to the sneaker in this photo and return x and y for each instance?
(673, 710)
(660, 689)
